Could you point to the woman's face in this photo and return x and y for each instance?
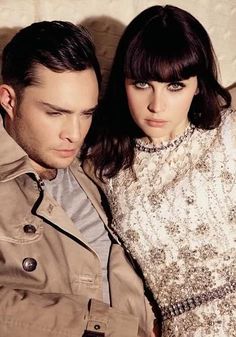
(160, 109)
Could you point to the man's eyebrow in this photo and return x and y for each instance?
(55, 107)
(60, 109)
(91, 109)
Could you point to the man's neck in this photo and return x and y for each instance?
(48, 174)
(44, 173)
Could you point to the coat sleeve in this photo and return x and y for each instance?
(125, 281)
(26, 314)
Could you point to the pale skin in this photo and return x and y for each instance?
(53, 117)
(160, 109)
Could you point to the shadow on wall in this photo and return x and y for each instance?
(106, 33)
(232, 90)
(6, 34)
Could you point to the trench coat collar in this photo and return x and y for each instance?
(14, 161)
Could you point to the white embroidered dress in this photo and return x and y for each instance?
(178, 220)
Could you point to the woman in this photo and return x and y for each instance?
(165, 145)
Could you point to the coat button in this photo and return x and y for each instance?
(29, 229)
(29, 264)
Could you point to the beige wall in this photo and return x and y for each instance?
(107, 18)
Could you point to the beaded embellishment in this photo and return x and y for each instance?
(190, 303)
(151, 148)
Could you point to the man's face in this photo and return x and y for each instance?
(54, 116)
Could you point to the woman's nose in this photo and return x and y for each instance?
(156, 103)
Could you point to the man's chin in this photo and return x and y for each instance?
(45, 168)
(59, 164)
(64, 164)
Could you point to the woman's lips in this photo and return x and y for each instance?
(155, 123)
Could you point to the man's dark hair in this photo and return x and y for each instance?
(58, 45)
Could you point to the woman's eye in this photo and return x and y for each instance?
(176, 86)
(141, 85)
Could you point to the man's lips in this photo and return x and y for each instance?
(67, 152)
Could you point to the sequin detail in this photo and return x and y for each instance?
(191, 303)
(172, 144)
(177, 218)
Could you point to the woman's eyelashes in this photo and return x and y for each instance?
(176, 86)
(172, 86)
(141, 84)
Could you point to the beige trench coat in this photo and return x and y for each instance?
(50, 279)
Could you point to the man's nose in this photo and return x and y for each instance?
(71, 131)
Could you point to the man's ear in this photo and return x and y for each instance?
(8, 99)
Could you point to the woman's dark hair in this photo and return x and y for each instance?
(58, 45)
(164, 44)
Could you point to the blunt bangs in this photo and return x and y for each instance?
(163, 58)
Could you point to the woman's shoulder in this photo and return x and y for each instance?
(228, 118)
(228, 126)
(229, 113)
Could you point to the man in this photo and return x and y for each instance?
(54, 247)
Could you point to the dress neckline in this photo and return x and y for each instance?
(144, 146)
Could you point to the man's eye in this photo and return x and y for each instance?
(54, 113)
(88, 114)
(141, 85)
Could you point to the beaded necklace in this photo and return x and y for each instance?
(151, 148)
